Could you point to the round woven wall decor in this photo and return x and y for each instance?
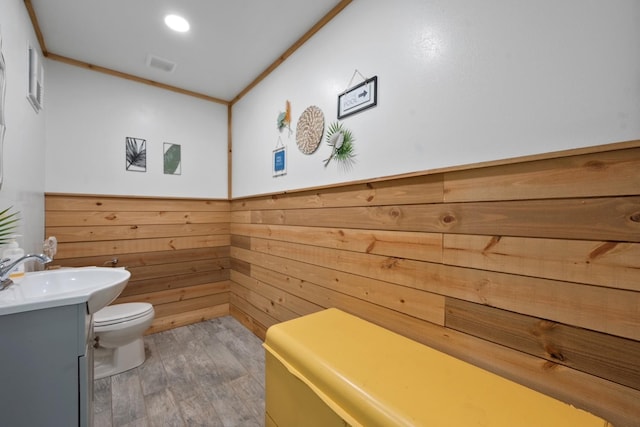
(309, 129)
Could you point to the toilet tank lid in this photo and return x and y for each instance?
(115, 312)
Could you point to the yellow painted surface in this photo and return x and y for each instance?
(292, 403)
(331, 363)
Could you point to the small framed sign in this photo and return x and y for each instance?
(280, 161)
(358, 98)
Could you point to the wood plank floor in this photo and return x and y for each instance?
(206, 374)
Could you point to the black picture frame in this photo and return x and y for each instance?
(136, 154)
(358, 98)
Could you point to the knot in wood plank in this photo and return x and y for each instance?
(601, 250)
(482, 290)
(595, 165)
(553, 352)
(546, 325)
(371, 246)
(492, 242)
(448, 219)
(390, 263)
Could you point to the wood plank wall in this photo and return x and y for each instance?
(177, 250)
(529, 269)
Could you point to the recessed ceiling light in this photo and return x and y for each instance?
(177, 23)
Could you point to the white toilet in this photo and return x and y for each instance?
(118, 330)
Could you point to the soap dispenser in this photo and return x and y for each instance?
(14, 252)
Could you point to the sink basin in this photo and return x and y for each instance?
(97, 286)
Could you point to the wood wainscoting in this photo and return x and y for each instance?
(177, 250)
(530, 269)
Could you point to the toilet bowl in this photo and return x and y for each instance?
(118, 330)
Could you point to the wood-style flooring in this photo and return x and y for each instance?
(206, 374)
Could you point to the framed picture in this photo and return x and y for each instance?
(136, 154)
(358, 98)
(280, 161)
(36, 78)
(2, 94)
(172, 159)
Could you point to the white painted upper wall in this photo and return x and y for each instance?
(89, 115)
(459, 82)
(23, 151)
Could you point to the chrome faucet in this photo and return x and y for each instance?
(5, 281)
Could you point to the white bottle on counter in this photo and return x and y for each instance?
(13, 252)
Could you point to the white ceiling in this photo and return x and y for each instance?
(230, 42)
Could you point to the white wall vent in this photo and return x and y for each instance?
(160, 63)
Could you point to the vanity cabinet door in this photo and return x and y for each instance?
(39, 370)
(85, 374)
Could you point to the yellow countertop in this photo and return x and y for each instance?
(371, 376)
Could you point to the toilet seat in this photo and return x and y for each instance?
(120, 313)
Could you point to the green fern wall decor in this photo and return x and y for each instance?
(341, 141)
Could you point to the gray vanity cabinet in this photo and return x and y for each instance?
(46, 367)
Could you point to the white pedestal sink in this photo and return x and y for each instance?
(97, 286)
(46, 360)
